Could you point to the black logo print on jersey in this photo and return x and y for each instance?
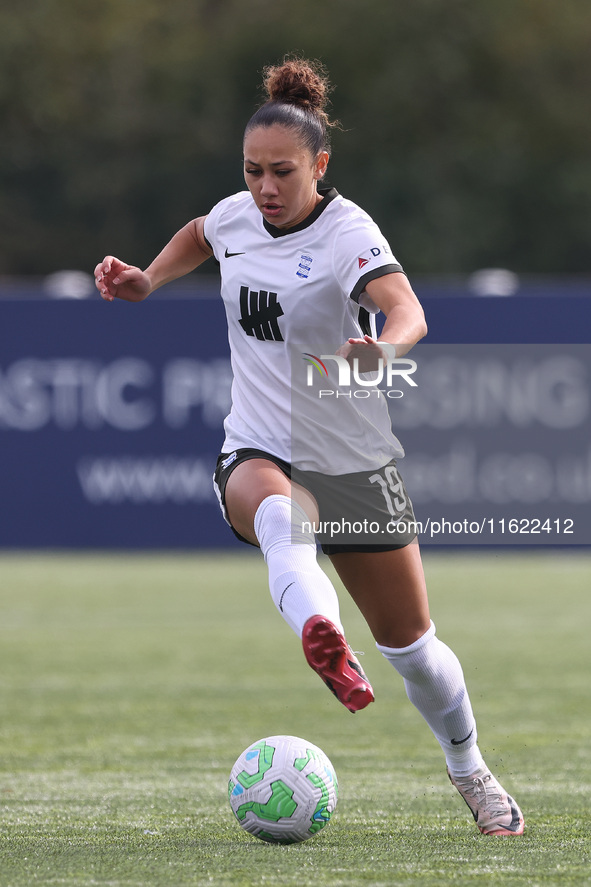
(259, 313)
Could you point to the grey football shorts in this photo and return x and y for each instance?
(363, 511)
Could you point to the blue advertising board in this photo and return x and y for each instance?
(110, 423)
(111, 420)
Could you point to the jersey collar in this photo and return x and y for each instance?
(328, 194)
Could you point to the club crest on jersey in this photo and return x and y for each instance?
(304, 266)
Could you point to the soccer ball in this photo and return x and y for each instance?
(283, 789)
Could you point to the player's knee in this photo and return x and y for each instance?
(279, 521)
(398, 635)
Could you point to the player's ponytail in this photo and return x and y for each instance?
(297, 97)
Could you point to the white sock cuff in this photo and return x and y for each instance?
(285, 518)
(390, 652)
(264, 505)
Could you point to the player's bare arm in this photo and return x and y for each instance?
(182, 254)
(404, 325)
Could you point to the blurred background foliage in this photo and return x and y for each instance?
(466, 125)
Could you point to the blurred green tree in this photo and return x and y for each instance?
(466, 130)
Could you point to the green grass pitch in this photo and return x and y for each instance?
(129, 684)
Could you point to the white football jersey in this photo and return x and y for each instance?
(292, 295)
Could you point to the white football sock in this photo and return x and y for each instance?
(435, 684)
(299, 588)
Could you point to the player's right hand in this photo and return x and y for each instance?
(115, 279)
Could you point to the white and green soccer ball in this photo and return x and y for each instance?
(283, 789)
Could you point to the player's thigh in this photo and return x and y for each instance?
(390, 590)
(255, 480)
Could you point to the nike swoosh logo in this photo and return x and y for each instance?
(515, 818)
(230, 255)
(283, 595)
(465, 739)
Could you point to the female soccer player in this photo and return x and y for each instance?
(301, 265)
